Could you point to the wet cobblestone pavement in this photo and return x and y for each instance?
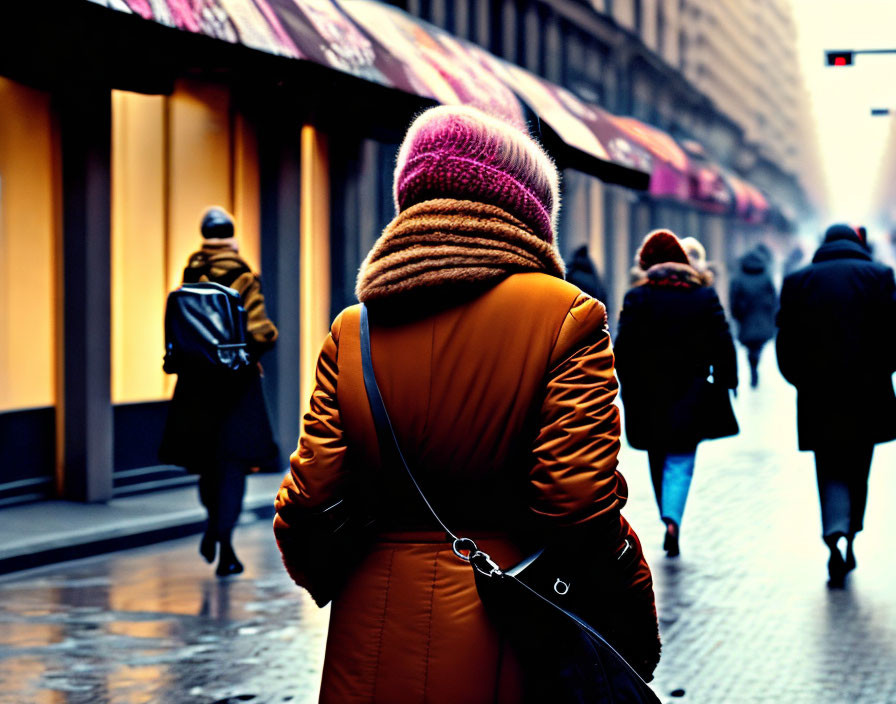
(745, 613)
(155, 625)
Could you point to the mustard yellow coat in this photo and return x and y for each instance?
(504, 407)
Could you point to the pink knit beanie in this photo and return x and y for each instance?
(461, 152)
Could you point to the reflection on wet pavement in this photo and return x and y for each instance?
(155, 625)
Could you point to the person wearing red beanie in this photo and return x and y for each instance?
(672, 336)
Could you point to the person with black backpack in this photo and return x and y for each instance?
(216, 329)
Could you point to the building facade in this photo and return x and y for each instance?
(120, 121)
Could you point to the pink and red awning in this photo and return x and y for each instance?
(749, 203)
(380, 43)
(669, 175)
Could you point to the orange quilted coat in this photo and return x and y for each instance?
(503, 405)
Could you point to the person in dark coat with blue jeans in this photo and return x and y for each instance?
(837, 345)
(753, 301)
(672, 335)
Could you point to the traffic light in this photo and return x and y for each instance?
(839, 58)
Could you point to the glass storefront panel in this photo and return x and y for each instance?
(29, 219)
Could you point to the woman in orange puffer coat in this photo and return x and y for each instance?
(498, 377)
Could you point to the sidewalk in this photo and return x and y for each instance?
(54, 531)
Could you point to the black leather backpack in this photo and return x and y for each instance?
(205, 330)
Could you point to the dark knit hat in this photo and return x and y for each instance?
(659, 247)
(216, 224)
(461, 152)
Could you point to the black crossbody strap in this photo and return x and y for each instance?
(384, 430)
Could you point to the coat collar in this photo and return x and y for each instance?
(673, 274)
(840, 249)
(223, 244)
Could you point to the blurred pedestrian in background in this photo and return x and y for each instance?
(498, 377)
(697, 257)
(672, 335)
(582, 272)
(794, 260)
(837, 345)
(753, 301)
(218, 425)
(765, 252)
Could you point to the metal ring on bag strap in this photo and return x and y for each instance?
(561, 587)
(465, 544)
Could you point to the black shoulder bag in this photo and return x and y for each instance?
(573, 662)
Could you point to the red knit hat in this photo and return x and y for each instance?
(659, 247)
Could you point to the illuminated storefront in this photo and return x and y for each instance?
(120, 121)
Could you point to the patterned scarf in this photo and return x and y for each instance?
(446, 242)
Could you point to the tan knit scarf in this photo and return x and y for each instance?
(445, 242)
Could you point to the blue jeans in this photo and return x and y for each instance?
(671, 473)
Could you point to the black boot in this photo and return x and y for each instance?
(836, 564)
(850, 561)
(208, 546)
(228, 564)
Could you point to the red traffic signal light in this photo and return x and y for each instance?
(839, 58)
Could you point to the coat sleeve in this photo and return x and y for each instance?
(262, 331)
(888, 315)
(723, 356)
(788, 335)
(574, 478)
(628, 337)
(317, 467)
(575, 485)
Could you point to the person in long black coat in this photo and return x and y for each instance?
(753, 301)
(218, 425)
(836, 328)
(672, 334)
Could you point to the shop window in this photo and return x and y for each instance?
(29, 218)
(172, 157)
(139, 281)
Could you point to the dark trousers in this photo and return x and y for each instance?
(221, 491)
(754, 350)
(842, 474)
